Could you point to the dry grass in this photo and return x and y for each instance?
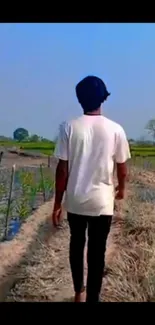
(132, 276)
(17, 251)
(141, 176)
(45, 276)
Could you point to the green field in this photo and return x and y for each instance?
(143, 156)
(46, 148)
(142, 151)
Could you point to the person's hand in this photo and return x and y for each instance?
(119, 193)
(57, 216)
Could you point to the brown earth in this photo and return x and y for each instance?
(10, 159)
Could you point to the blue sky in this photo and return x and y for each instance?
(40, 64)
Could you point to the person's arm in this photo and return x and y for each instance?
(61, 179)
(61, 176)
(121, 177)
(122, 154)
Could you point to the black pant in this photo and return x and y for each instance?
(98, 230)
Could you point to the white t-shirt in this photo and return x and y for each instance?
(91, 144)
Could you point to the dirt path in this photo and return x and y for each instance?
(10, 159)
(46, 275)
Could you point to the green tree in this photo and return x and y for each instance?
(45, 140)
(131, 140)
(150, 127)
(34, 138)
(20, 134)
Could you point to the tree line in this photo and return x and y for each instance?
(150, 128)
(22, 135)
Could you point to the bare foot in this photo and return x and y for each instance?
(80, 297)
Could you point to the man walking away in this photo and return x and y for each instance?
(87, 149)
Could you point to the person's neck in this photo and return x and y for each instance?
(97, 112)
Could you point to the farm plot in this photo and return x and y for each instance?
(130, 267)
(130, 258)
(22, 191)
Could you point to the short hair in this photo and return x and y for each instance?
(91, 93)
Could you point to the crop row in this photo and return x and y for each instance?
(143, 153)
(30, 187)
(149, 149)
(29, 145)
(48, 147)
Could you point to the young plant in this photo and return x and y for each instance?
(22, 208)
(2, 191)
(49, 186)
(29, 187)
(46, 183)
(26, 181)
(33, 194)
